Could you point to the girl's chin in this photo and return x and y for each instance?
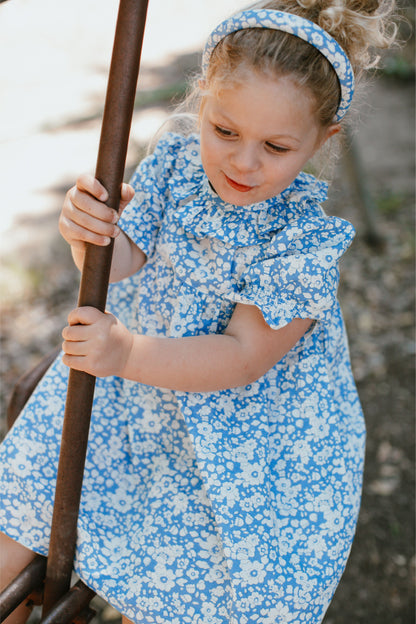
(238, 198)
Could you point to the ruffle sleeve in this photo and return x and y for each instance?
(298, 275)
(142, 218)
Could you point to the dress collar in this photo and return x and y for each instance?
(203, 213)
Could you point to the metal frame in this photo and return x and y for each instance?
(60, 604)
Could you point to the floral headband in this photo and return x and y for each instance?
(295, 25)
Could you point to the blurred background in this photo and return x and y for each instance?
(53, 73)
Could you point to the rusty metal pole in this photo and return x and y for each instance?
(29, 579)
(93, 292)
(72, 605)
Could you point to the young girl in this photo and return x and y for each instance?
(223, 475)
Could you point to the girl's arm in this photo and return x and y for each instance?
(85, 218)
(248, 348)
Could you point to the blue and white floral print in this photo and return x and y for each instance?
(229, 507)
(294, 25)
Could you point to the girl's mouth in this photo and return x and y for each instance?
(243, 188)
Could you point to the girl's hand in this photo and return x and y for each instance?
(96, 343)
(85, 218)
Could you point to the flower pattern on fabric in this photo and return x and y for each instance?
(229, 507)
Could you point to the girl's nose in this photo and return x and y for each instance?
(245, 158)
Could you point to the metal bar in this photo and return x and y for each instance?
(29, 579)
(72, 603)
(93, 292)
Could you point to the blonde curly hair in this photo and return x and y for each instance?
(361, 27)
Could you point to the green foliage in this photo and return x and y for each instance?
(397, 66)
(390, 203)
(174, 92)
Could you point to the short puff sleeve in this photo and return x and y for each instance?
(142, 218)
(299, 275)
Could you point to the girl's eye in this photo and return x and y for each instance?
(223, 132)
(278, 149)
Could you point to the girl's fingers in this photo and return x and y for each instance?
(76, 333)
(84, 221)
(75, 362)
(126, 195)
(88, 196)
(87, 204)
(85, 315)
(78, 349)
(85, 218)
(80, 235)
(127, 192)
(89, 184)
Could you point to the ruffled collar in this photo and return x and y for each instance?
(203, 213)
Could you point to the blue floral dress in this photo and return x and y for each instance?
(229, 507)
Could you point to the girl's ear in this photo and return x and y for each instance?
(325, 134)
(329, 132)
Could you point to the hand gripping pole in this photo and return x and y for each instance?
(93, 292)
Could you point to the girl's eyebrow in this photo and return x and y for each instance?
(279, 137)
(271, 138)
(223, 116)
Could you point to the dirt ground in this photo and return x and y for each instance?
(39, 287)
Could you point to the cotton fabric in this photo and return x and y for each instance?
(229, 507)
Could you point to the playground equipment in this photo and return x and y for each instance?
(50, 578)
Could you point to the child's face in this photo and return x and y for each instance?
(256, 136)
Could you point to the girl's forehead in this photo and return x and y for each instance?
(246, 79)
(259, 98)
